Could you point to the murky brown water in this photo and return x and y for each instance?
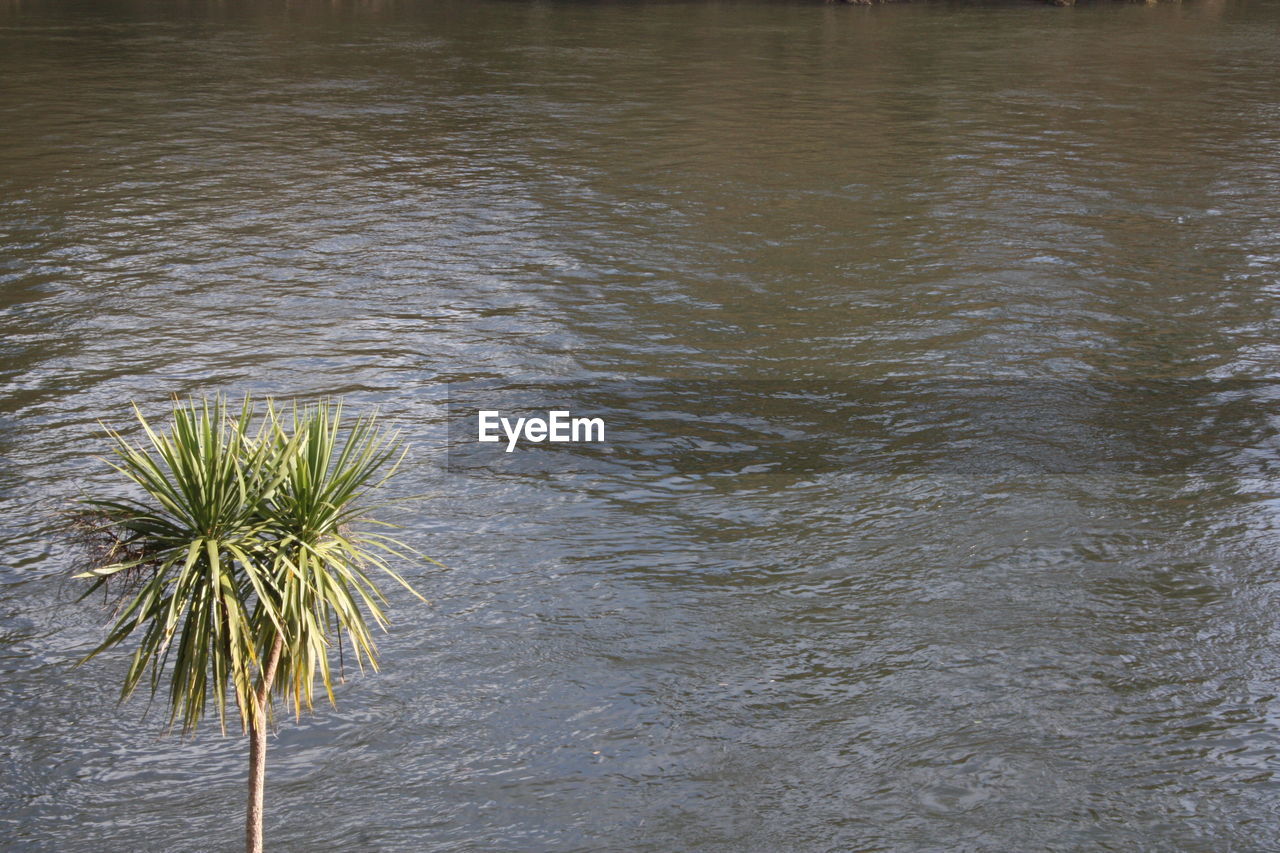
(1069, 220)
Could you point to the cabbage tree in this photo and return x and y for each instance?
(243, 555)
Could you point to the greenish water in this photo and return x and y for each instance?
(1032, 254)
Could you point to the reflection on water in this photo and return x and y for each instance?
(939, 226)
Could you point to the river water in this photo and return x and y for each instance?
(1016, 587)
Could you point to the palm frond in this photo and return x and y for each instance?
(245, 531)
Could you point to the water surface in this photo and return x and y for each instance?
(1069, 218)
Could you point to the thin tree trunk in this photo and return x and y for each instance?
(258, 753)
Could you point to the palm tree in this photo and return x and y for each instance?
(245, 555)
